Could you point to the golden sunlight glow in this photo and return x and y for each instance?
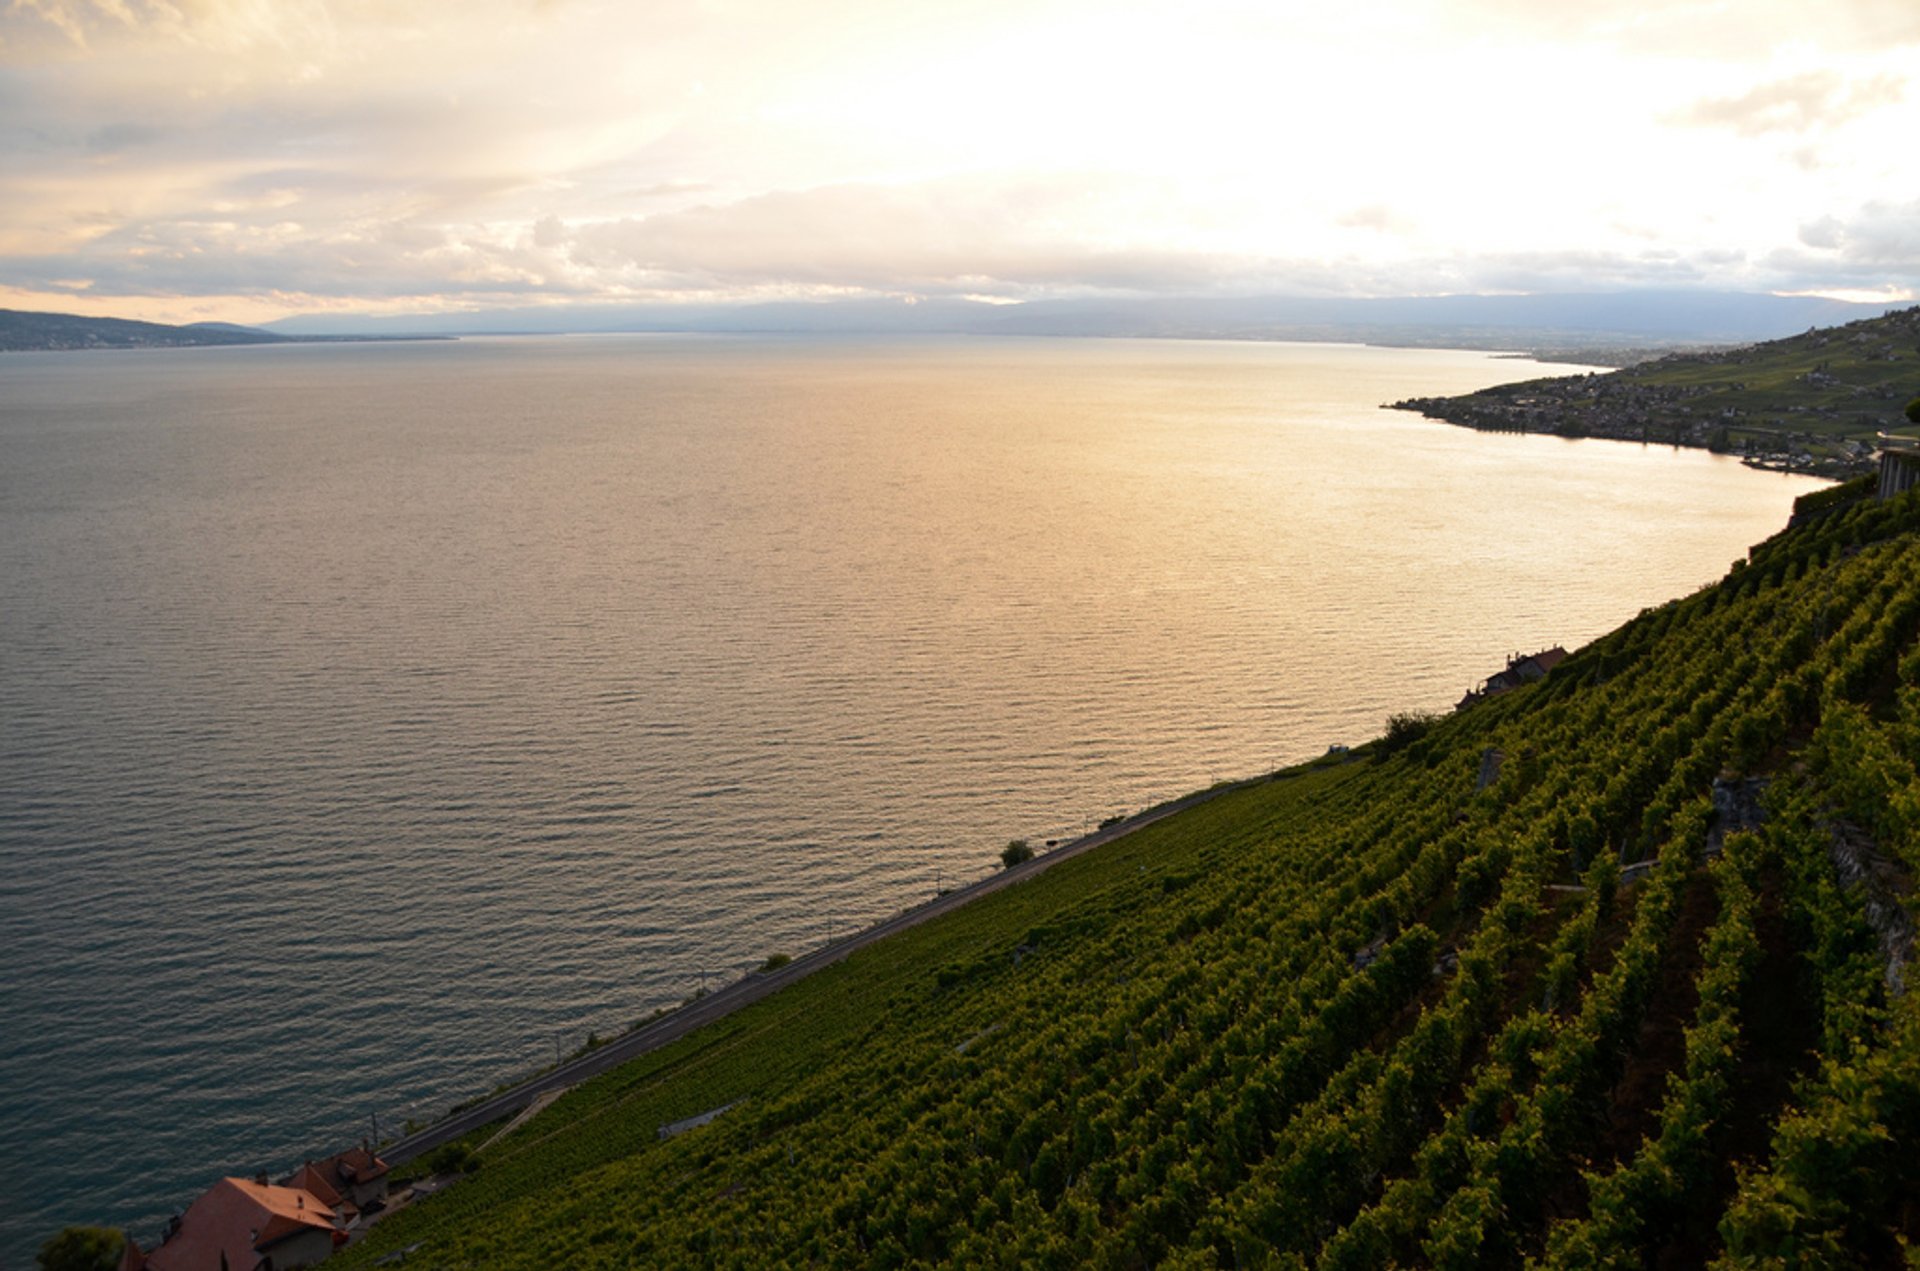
(1009, 150)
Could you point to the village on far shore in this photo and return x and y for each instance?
(1813, 403)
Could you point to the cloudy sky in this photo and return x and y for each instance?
(248, 159)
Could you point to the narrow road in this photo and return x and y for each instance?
(756, 985)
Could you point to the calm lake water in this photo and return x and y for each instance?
(374, 718)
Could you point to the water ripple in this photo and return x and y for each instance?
(378, 716)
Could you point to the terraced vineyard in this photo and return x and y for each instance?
(1602, 972)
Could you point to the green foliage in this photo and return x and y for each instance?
(1404, 729)
(1015, 853)
(454, 1158)
(1366, 1015)
(83, 1249)
(1913, 411)
(774, 963)
(1811, 393)
(1835, 496)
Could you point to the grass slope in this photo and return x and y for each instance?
(1359, 1015)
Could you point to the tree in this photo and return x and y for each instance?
(1405, 728)
(1913, 411)
(1015, 853)
(83, 1249)
(453, 1158)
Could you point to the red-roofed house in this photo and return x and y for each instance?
(349, 1181)
(238, 1225)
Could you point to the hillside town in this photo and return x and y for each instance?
(1812, 404)
(1603, 406)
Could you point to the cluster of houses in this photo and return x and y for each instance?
(1629, 410)
(242, 1224)
(1796, 427)
(1521, 669)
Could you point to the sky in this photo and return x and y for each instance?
(179, 160)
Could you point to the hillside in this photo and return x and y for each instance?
(20, 331)
(1603, 971)
(1809, 403)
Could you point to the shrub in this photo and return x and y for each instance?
(774, 963)
(83, 1249)
(1015, 853)
(1405, 728)
(454, 1158)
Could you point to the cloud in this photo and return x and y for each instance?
(1798, 104)
(1377, 217)
(738, 148)
(230, 26)
(114, 138)
(1019, 239)
(935, 239)
(1747, 31)
(1881, 239)
(1826, 233)
(211, 257)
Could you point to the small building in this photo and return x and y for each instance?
(1899, 465)
(238, 1225)
(1521, 669)
(352, 1182)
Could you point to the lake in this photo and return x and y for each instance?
(380, 718)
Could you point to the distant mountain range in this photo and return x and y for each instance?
(1617, 327)
(1597, 321)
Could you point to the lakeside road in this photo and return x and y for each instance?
(756, 985)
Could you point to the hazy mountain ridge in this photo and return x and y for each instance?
(1623, 320)
(21, 331)
(1600, 328)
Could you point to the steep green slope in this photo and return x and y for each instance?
(1360, 1015)
(1809, 403)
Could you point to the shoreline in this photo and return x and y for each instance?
(1800, 463)
(755, 986)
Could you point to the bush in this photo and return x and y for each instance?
(774, 963)
(1405, 728)
(1913, 411)
(454, 1158)
(1015, 853)
(83, 1249)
